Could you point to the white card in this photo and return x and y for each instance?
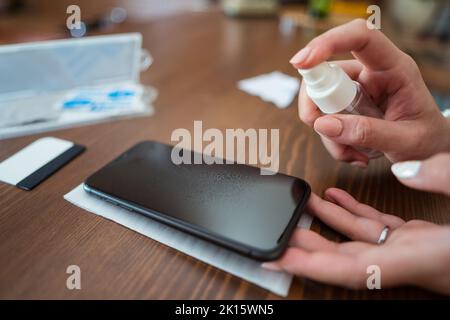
(31, 158)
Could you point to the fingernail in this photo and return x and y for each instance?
(407, 169)
(271, 266)
(301, 56)
(328, 126)
(359, 164)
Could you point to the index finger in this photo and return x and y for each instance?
(371, 47)
(350, 225)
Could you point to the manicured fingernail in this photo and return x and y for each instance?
(271, 266)
(301, 56)
(328, 126)
(359, 164)
(407, 169)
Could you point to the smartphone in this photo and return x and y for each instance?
(232, 205)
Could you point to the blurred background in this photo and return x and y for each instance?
(419, 27)
(201, 50)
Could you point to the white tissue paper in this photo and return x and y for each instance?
(236, 264)
(275, 87)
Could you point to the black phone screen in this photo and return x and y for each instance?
(232, 204)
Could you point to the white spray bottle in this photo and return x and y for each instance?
(332, 90)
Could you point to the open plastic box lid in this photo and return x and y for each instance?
(35, 76)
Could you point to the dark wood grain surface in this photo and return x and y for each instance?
(199, 57)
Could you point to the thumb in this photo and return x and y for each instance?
(432, 174)
(363, 131)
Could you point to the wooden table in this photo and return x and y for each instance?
(199, 57)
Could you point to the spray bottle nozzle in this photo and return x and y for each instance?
(315, 73)
(329, 87)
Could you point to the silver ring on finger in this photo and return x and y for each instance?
(383, 236)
